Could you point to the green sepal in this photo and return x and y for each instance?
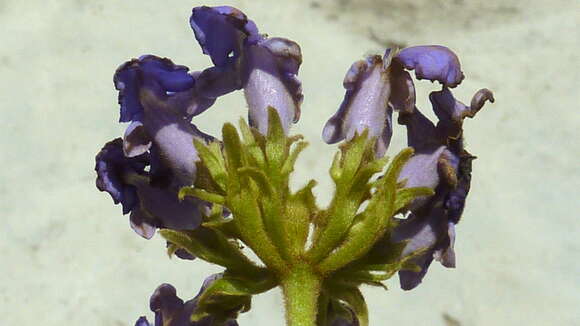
(217, 221)
(300, 210)
(406, 195)
(212, 246)
(260, 178)
(232, 294)
(372, 223)
(233, 148)
(355, 153)
(201, 194)
(288, 166)
(276, 140)
(352, 297)
(211, 158)
(351, 172)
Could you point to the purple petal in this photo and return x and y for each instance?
(164, 207)
(172, 136)
(432, 62)
(142, 321)
(424, 170)
(426, 230)
(269, 78)
(421, 132)
(160, 74)
(150, 207)
(365, 104)
(217, 81)
(222, 32)
(111, 166)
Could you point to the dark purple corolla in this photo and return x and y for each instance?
(150, 206)
(376, 87)
(159, 99)
(266, 68)
(440, 162)
(170, 310)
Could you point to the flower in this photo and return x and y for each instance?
(266, 68)
(159, 99)
(377, 86)
(126, 180)
(374, 88)
(170, 310)
(440, 163)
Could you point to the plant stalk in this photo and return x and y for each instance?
(301, 288)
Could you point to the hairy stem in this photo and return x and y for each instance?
(301, 288)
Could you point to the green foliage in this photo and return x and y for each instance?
(231, 294)
(248, 174)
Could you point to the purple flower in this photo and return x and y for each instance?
(170, 310)
(378, 86)
(432, 62)
(440, 163)
(374, 88)
(269, 75)
(266, 68)
(126, 180)
(159, 99)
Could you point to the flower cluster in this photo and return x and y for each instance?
(167, 174)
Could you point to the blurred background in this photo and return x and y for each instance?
(68, 256)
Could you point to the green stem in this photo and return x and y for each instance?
(301, 288)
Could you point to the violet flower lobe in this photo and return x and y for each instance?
(266, 68)
(158, 98)
(150, 207)
(170, 310)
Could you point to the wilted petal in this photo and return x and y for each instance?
(111, 167)
(365, 104)
(455, 200)
(452, 112)
(425, 231)
(425, 169)
(222, 32)
(421, 132)
(432, 62)
(402, 97)
(269, 77)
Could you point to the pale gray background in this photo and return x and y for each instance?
(68, 256)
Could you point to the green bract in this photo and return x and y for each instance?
(249, 176)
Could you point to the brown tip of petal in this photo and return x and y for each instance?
(479, 99)
(446, 170)
(402, 97)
